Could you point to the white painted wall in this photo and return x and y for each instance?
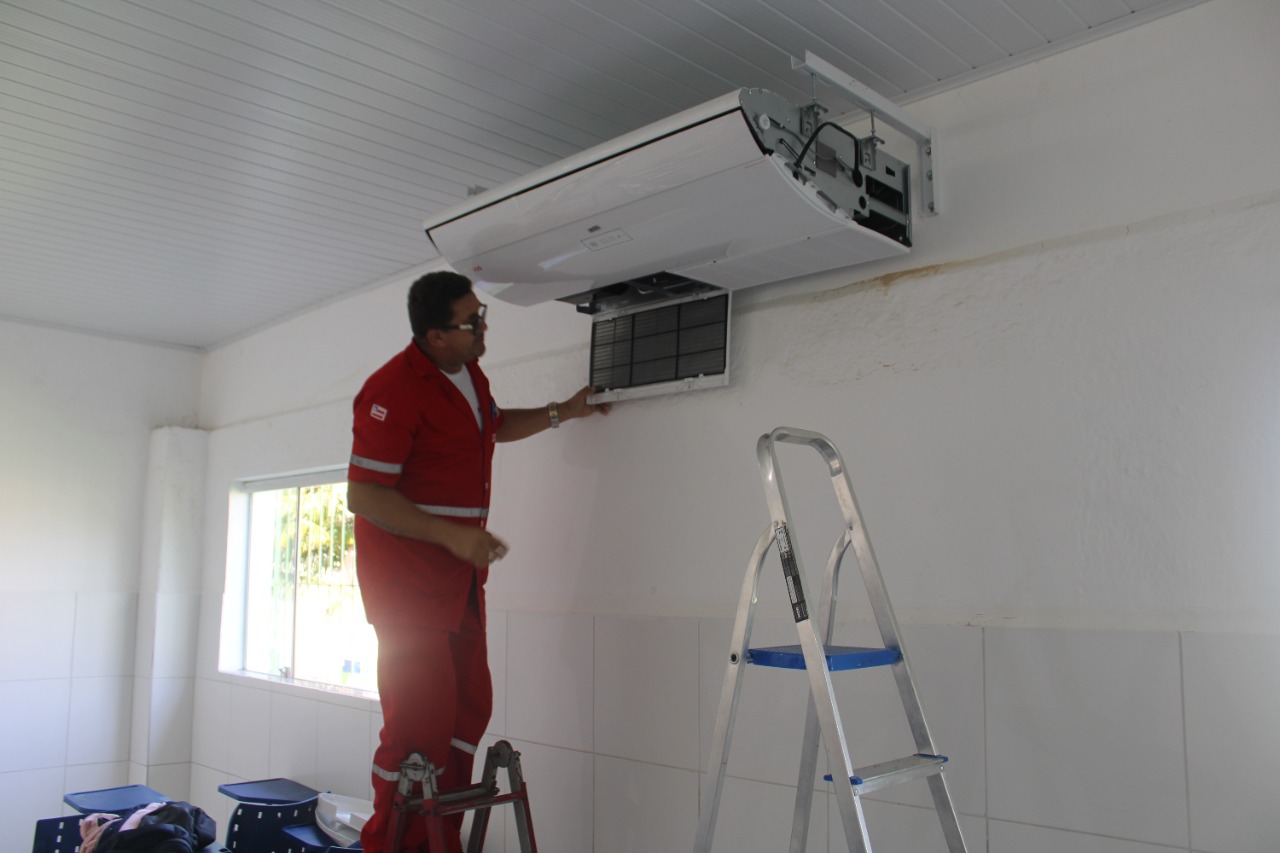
(76, 417)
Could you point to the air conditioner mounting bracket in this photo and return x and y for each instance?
(878, 105)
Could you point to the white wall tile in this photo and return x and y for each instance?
(758, 816)
(897, 827)
(144, 650)
(211, 723)
(249, 751)
(1084, 732)
(1020, 838)
(343, 757)
(177, 620)
(99, 728)
(294, 738)
(140, 723)
(172, 708)
(561, 785)
(25, 797)
(172, 780)
(642, 807)
(646, 690)
(34, 717)
(209, 635)
(1232, 704)
(95, 777)
(105, 626)
(496, 630)
(42, 625)
(205, 794)
(549, 674)
(769, 726)
(946, 663)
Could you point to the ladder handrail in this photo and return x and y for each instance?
(731, 691)
(823, 723)
(864, 554)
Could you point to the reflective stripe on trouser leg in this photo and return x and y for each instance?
(435, 690)
(455, 511)
(389, 775)
(469, 748)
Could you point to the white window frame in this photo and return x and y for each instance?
(232, 652)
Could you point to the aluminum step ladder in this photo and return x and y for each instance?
(816, 654)
(417, 793)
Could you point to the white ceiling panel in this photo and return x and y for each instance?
(182, 172)
(1095, 13)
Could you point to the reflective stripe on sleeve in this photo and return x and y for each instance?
(464, 746)
(389, 775)
(455, 511)
(375, 465)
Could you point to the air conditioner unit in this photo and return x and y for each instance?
(740, 191)
(651, 231)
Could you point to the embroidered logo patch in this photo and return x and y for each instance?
(378, 413)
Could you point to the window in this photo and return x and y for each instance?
(303, 616)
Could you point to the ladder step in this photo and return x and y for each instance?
(838, 657)
(876, 776)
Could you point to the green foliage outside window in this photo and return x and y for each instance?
(305, 616)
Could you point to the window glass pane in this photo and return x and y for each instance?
(334, 644)
(304, 618)
(272, 557)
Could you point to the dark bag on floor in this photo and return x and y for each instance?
(172, 828)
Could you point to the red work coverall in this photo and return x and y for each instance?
(414, 431)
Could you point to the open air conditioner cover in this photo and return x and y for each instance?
(711, 194)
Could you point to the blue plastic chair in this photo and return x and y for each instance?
(276, 816)
(57, 835)
(259, 828)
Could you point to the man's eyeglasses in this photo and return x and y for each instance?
(474, 324)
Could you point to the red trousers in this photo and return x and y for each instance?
(437, 697)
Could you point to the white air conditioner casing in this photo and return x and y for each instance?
(711, 194)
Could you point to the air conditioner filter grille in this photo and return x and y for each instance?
(668, 343)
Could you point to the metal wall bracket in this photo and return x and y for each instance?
(878, 105)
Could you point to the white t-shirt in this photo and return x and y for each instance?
(468, 388)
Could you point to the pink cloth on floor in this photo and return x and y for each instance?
(136, 818)
(91, 828)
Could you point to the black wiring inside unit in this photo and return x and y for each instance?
(814, 136)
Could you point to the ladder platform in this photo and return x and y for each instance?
(838, 657)
(876, 776)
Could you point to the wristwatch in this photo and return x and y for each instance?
(555, 415)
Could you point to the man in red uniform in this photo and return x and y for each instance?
(424, 432)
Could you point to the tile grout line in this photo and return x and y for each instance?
(595, 756)
(986, 762)
(1186, 752)
(71, 676)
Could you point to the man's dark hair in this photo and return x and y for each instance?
(431, 300)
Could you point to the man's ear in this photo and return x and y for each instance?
(428, 341)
